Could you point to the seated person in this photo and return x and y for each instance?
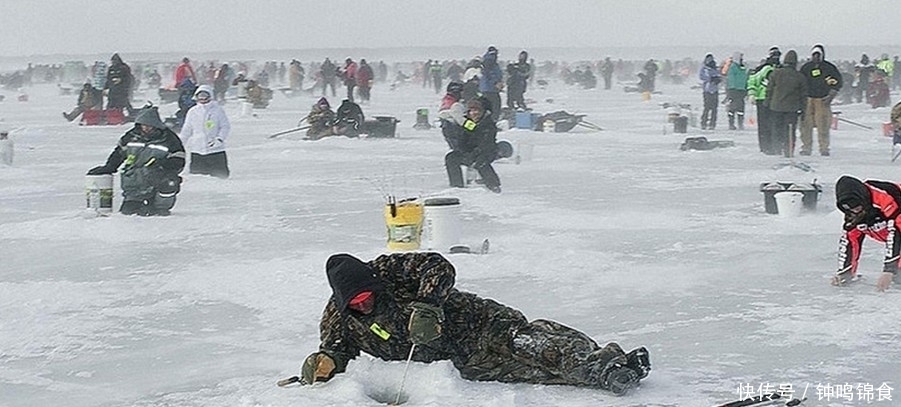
(258, 95)
(349, 118)
(477, 148)
(88, 99)
(321, 120)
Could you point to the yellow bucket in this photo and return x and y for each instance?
(404, 222)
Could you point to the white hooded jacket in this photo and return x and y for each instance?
(206, 126)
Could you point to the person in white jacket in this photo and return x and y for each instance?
(204, 134)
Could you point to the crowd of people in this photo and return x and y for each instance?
(406, 304)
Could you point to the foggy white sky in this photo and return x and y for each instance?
(29, 27)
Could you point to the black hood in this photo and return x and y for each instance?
(349, 276)
(851, 192)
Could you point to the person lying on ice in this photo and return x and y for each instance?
(871, 209)
(388, 305)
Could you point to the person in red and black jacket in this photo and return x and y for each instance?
(871, 209)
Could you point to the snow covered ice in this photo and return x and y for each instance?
(616, 233)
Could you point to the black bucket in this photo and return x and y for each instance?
(811, 194)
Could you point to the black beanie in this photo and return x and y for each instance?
(349, 276)
(850, 192)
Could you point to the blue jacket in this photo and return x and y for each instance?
(711, 78)
(491, 73)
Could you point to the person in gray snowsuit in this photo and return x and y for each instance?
(394, 303)
(153, 156)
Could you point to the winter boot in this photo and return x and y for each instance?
(640, 361)
(617, 377)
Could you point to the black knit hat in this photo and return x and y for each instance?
(349, 276)
(850, 192)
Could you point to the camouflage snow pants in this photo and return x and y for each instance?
(541, 352)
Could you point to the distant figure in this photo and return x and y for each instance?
(711, 79)
(491, 82)
(88, 99)
(6, 148)
(118, 85)
(518, 75)
(184, 70)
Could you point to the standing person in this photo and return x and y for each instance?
(896, 79)
(871, 209)
(864, 71)
(786, 96)
(491, 82)
(364, 80)
(153, 156)
(518, 75)
(328, 72)
(436, 72)
(650, 70)
(736, 91)
(452, 114)
(711, 78)
(823, 83)
(205, 132)
(607, 72)
(477, 148)
(185, 70)
(295, 75)
(221, 82)
(7, 148)
(118, 85)
(349, 74)
(409, 301)
(757, 84)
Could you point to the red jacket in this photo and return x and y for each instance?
(184, 71)
(882, 227)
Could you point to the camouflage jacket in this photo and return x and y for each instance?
(471, 323)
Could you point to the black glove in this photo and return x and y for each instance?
(425, 323)
(100, 170)
(318, 367)
(715, 80)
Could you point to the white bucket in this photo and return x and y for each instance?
(441, 223)
(99, 193)
(789, 203)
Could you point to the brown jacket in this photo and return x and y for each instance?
(787, 88)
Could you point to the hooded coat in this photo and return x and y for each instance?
(786, 87)
(879, 220)
(822, 77)
(206, 127)
(709, 75)
(152, 160)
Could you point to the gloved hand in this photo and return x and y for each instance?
(425, 323)
(318, 367)
(830, 96)
(100, 170)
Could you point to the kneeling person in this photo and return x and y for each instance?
(477, 147)
(153, 156)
